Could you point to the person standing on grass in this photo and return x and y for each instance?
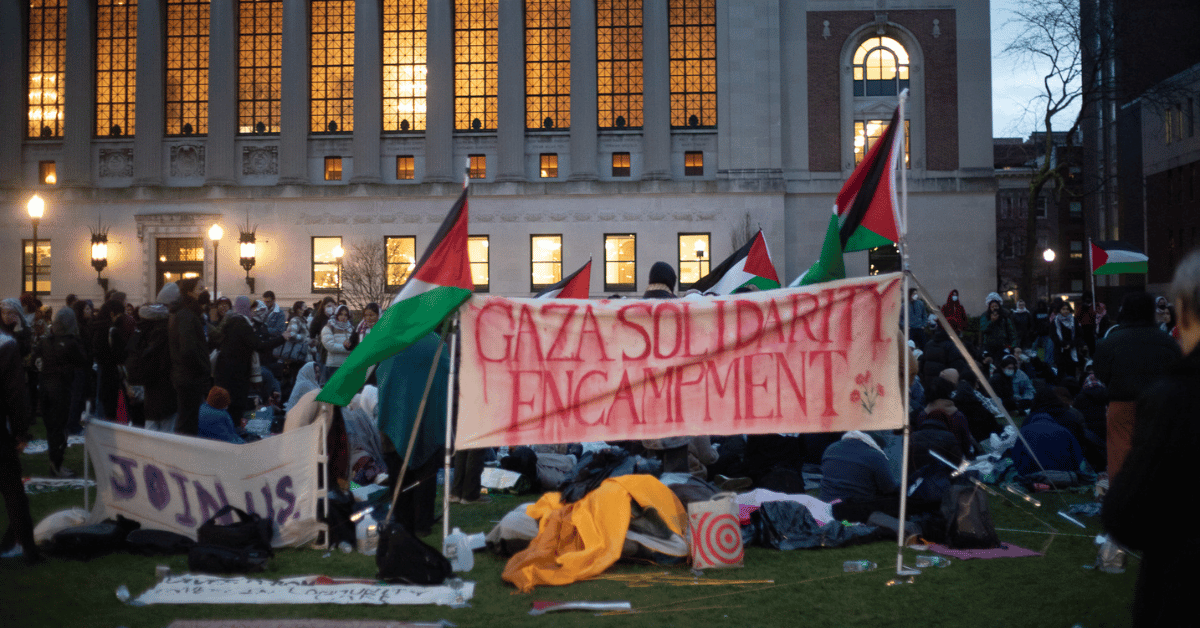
(58, 356)
(1145, 493)
(191, 371)
(14, 434)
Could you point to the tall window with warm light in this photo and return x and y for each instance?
(332, 87)
(476, 38)
(547, 64)
(43, 265)
(620, 262)
(404, 65)
(401, 259)
(477, 253)
(260, 63)
(325, 263)
(116, 66)
(693, 45)
(868, 132)
(546, 260)
(694, 257)
(880, 71)
(186, 94)
(47, 66)
(619, 63)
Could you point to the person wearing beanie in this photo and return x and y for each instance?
(662, 282)
(234, 367)
(215, 422)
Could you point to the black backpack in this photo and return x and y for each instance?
(147, 353)
(404, 558)
(968, 520)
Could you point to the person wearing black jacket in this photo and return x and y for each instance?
(14, 434)
(191, 371)
(153, 365)
(238, 345)
(1146, 491)
(59, 356)
(108, 349)
(940, 354)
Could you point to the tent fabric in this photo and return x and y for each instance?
(402, 380)
(580, 540)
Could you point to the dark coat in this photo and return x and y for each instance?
(1145, 494)
(238, 343)
(189, 349)
(932, 432)
(1132, 357)
(160, 401)
(61, 355)
(14, 398)
(939, 355)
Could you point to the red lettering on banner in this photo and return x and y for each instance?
(776, 326)
(749, 370)
(720, 386)
(720, 327)
(687, 333)
(578, 400)
(827, 358)
(661, 392)
(562, 408)
(483, 327)
(563, 328)
(526, 327)
(624, 393)
(743, 309)
(515, 415)
(623, 318)
(590, 315)
(680, 382)
(804, 317)
(658, 333)
(781, 368)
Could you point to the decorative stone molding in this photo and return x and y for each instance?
(116, 163)
(172, 225)
(484, 218)
(187, 160)
(260, 160)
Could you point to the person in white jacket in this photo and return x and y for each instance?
(335, 337)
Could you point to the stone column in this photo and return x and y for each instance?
(80, 94)
(583, 90)
(656, 91)
(148, 117)
(14, 103)
(368, 91)
(221, 159)
(510, 96)
(439, 94)
(293, 102)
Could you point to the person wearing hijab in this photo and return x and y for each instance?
(239, 343)
(362, 434)
(955, 314)
(335, 338)
(306, 381)
(59, 356)
(370, 316)
(161, 402)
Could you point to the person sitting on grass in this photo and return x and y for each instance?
(215, 422)
(856, 471)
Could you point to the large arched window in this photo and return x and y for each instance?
(880, 67)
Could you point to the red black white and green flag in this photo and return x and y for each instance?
(440, 283)
(864, 215)
(1113, 257)
(749, 265)
(574, 286)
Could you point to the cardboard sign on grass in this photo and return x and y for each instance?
(814, 359)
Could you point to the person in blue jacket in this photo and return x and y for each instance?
(215, 422)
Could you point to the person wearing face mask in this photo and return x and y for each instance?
(1012, 385)
(954, 312)
(917, 315)
(335, 338)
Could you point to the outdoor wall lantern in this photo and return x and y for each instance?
(246, 242)
(100, 254)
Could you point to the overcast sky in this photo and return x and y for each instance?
(1014, 84)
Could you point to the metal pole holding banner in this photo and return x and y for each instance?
(450, 420)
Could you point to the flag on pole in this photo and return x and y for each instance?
(1114, 257)
(749, 265)
(864, 215)
(574, 286)
(440, 283)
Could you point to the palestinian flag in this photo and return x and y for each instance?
(749, 265)
(1114, 258)
(864, 214)
(575, 286)
(440, 283)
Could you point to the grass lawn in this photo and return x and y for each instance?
(809, 586)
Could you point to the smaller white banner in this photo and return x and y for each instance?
(198, 589)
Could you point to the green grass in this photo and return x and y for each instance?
(809, 589)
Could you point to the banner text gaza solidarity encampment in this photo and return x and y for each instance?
(821, 358)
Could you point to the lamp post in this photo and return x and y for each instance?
(246, 244)
(338, 252)
(36, 207)
(100, 254)
(1049, 256)
(214, 233)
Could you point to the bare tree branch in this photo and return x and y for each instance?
(364, 274)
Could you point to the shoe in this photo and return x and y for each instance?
(61, 472)
(733, 484)
(482, 499)
(455, 500)
(15, 551)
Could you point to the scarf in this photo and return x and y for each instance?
(864, 437)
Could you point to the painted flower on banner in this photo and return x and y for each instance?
(869, 392)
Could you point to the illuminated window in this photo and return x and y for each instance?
(325, 266)
(43, 265)
(332, 39)
(547, 64)
(401, 259)
(260, 50)
(116, 66)
(477, 252)
(546, 255)
(186, 94)
(693, 41)
(619, 63)
(405, 167)
(868, 132)
(478, 168)
(333, 168)
(620, 262)
(1076, 249)
(178, 258)
(48, 172)
(620, 164)
(404, 65)
(883, 259)
(880, 67)
(475, 65)
(549, 165)
(693, 163)
(694, 258)
(47, 66)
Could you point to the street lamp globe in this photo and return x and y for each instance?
(37, 207)
(1048, 255)
(215, 232)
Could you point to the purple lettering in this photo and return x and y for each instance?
(157, 488)
(127, 487)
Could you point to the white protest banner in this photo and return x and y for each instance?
(813, 359)
(171, 482)
(199, 589)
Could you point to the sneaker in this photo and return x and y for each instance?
(61, 472)
(482, 499)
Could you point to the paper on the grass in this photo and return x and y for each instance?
(200, 589)
(543, 607)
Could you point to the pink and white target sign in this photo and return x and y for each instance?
(813, 359)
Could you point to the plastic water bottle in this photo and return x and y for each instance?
(932, 561)
(367, 535)
(458, 552)
(858, 565)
